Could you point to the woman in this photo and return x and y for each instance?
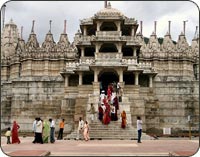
(86, 131)
(46, 131)
(123, 115)
(106, 116)
(15, 138)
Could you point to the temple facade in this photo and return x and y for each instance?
(159, 76)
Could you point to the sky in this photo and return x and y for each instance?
(24, 12)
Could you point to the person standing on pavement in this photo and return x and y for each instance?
(8, 134)
(60, 134)
(46, 131)
(86, 131)
(15, 137)
(80, 127)
(38, 131)
(139, 129)
(52, 130)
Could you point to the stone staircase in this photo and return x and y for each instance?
(113, 130)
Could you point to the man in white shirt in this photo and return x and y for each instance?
(52, 130)
(139, 129)
(80, 127)
(38, 131)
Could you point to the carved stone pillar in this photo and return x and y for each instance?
(84, 30)
(98, 26)
(80, 82)
(96, 73)
(82, 52)
(150, 81)
(136, 78)
(66, 81)
(134, 51)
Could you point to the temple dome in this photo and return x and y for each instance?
(109, 11)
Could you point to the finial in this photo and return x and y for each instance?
(32, 29)
(65, 24)
(50, 26)
(109, 5)
(21, 32)
(184, 25)
(196, 33)
(155, 27)
(3, 14)
(105, 4)
(169, 27)
(141, 27)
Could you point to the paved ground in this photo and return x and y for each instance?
(161, 147)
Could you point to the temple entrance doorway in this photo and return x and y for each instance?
(105, 78)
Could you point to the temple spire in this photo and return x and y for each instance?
(32, 29)
(105, 4)
(155, 27)
(50, 26)
(3, 15)
(184, 25)
(169, 29)
(65, 24)
(141, 27)
(21, 32)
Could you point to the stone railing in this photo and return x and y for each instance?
(144, 65)
(86, 60)
(129, 61)
(108, 33)
(108, 56)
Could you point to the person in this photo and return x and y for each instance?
(123, 115)
(92, 112)
(15, 137)
(46, 131)
(80, 127)
(52, 130)
(112, 113)
(86, 131)
(106, 116)
(118, 87)
(102, 96)
(139, 129)
(8, 134)
(38, 132)
(34, 128)
(100, 112)
(60, 134)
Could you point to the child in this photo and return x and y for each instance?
(8, 134)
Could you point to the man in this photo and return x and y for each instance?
(52, 130)
(80, 127)
(34, 128)
(92, 112)
(60, 134)
(38, 131)
(139, 129)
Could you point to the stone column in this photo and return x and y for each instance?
(96, 72)
(134, 51)
(98, 26)
(133, 31)
(119, 47)
(136, 78)
(80, 78)
(150, 81)
(84, 30)
(120, 73)
(66, 80)
(82, 51)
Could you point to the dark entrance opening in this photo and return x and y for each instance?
(106, 78)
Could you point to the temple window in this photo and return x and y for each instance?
(89, 51)
(88, 78)
(108, 47)
(144, 80)
(108, 26)
(128, 78)
(73, 80)
(126, 30)
(127, 51)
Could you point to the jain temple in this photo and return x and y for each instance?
(159, 77)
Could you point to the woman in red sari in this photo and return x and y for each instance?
(123, 115)
(106, 117)
(15, 138)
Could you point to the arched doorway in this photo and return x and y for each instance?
(107, 77)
